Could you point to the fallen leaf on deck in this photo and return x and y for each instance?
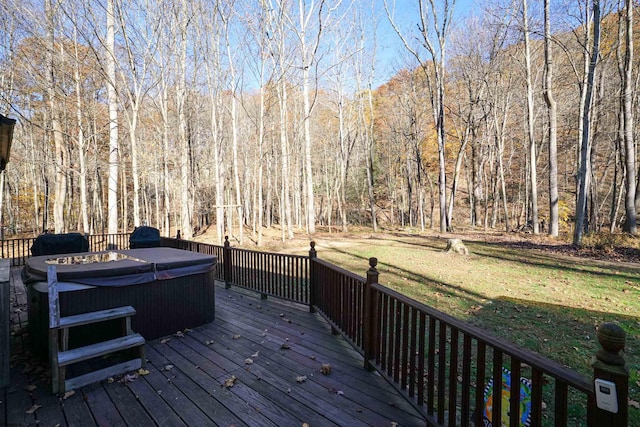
(281, 314)
(313, 358)
(285, 346)
(187, 330)
(129, 378)
(167, 368)
(208, 342)
(340, 393)
(325, 368)
(230, 382)
(143, 371)
(236, 337)
(255, 354)
(110, 380)
(31, 387)
(634, 404)
(248, 361)
(166, 340)
(68, 394)
(394, 424)
(301, 379)
(179, 334)
(289, 390)
(33, 409)
(306, 425)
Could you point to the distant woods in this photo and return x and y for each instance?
(244, 115)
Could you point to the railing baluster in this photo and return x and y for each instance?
(421, 352)
(453, 377)
(465, 402)
(536, 397)
(405, 340)
(431, 366)
(561, 396)
(413, 351)
(496, 410)
(514, 403)
(442, 366)
(481, 363)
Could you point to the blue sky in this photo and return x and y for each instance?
(390, 48)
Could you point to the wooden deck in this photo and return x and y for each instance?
(271, 351)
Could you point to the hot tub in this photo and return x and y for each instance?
(171, 290)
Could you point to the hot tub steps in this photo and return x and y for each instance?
(103, 348)
(61, 356)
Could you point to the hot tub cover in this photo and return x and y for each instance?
(140, 266)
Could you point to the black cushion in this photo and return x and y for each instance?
(144, 237)
(52, 244)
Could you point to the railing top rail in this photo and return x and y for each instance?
(270, 253)
(339, 269)
(550, 367)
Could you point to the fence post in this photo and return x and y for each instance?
(226, 262)
(370, 319)
(312, 277)
(610, 366)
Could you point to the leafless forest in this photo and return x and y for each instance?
(242, 115)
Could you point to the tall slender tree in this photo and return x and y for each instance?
(585, 148)
(433, 22)
(553, 124)
(112, 96)
(629, 140)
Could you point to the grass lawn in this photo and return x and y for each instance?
(533, 295)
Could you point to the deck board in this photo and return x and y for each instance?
(187, 372)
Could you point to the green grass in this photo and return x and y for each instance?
(544, 301)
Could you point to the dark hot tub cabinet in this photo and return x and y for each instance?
(171, 289)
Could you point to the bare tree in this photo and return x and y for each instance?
(553, 125)
(533, 175)
(433, 23)
(585, 148)
(629, 142)
(60, 158)
(114, 157)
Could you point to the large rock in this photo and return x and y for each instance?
(456, 246)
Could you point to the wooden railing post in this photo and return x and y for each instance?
(609, 366)
(312, 278)
(226, 262)
(370, 317)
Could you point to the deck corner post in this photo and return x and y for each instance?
(313, 283)
(370, 320)
(609, 367)
(226, 262)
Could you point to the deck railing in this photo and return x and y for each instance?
(18, 250)
(443, 365)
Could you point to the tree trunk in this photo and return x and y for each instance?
(629, 143)
(58, 138)
(552, 111)
(583, 174)
(533, 175)
(114, 157)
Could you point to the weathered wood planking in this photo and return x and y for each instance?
(185, 384)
